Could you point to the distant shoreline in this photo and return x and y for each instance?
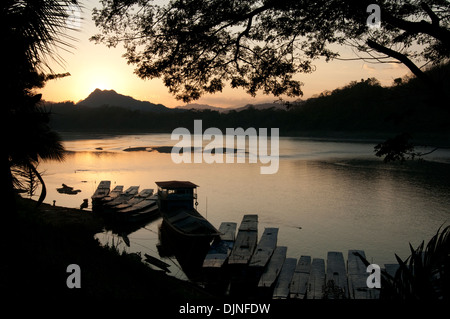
(333, 136)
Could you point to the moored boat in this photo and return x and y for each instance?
(221, 247)
(123, 197)
(245, 242)
(176, 203)
(101, 192)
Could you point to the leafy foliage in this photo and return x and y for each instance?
(198, 46)
(33, 30)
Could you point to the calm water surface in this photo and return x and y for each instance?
(326, 196)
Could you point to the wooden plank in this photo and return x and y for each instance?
(282, 285)
(273, 268)
(299, 282)
(316, 282)
(245, 242)
(265, 248)
(221, 248)
(336, 279)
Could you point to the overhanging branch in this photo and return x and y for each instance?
(401, 57)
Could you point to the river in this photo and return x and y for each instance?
(327, 195)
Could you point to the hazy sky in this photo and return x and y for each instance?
(95, 66)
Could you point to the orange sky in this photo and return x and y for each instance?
(95, 66)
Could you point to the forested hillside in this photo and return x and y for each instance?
(361, 107)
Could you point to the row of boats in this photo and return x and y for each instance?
(125, 206)
(261, 268)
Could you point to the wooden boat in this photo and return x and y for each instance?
(273, 268)
(190, 223)
(68, 190)
(221, 247)
(316, 282)
(143, 194)
(143, 209)
(357, 277)
(102, 190)
(123, 197)
(117, 190)
(176, 203)
(245, 242)
(336, 279)
(299, 282)
(144, 214)
(264, 250)
(282, 285)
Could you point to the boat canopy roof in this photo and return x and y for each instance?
(176, 184)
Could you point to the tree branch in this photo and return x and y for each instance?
(402, 58)
(433, 29)
(434, 18)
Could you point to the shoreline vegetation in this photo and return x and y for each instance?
(359, 110)
(49, 238)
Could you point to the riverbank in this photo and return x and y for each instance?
(49, 239)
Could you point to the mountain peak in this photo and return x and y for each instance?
(100, 97)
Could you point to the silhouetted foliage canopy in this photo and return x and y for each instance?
(197, 46)
(33, 32)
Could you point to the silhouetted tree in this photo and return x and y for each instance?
(197, 46)
(31, 31)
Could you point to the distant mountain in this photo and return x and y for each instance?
(202, 107)
(110, 97)
(261, 106)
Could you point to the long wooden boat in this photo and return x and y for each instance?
(336, 279)
(143, 194)
(316, 282)
(357, 277)
(221, 247)
(102, 190)
(273, 268)
(123, 197)
(143, 209)
(117, 190)
(281, 290)
(245, 242)
(265, 249)
(299, 282)
(189, 223)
